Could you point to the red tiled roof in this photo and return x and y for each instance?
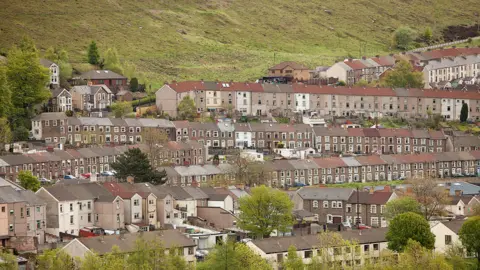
(348, 91)
(186, 86)
(239, 86)
(355, 64)
(384, 60)
(331, 162)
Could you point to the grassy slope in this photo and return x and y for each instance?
(226, 39)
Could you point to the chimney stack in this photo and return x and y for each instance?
(364, 58)
(130, 180)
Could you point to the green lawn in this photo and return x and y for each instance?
(221, 39)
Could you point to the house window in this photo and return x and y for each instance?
(96, 217)
(10, 227)
(136, 215)
(325, 204)
(61, 208)
(89, 217)
(448, 239)
(28, 211)
(71, 207)
(308, 254)
(315, 204)
(190, 251)
(136, 202)
(89, 205)
(373, 209)
(71, 219)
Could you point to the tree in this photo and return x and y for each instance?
(403, 37)
(28, 181)
(402, 205)
(404, 75)
(293, 261)
(409, 226)
(5, 133)
(341, 83)
(54, 259)
(431, 197)
(20, 133)
(135, 163)
(362, 83)
(5, 93)
(93, 55)
(464, 113)
(121, 108)
(61, 58)
(186, 109)
(470, 236)
(8, 261)
(265, 211)
(134, 84)
(111, 61)
(154, 139)
(27, 79)
(428, 35)
(248, 171)
(233, 256)
(417, 256)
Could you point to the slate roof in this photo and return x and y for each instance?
(328, 194)
(196, 193)
(45, 62)
(454, 225)
(307, 242)
(126, 242)
(364, 197)
(101, 75)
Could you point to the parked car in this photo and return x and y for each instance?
(299, 184)
(363, 227)
(107, 173)
(457, 175)
(86, 175)
(69, 177)
(44, 181)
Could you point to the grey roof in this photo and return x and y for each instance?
(302, 213)
(8, 183)
(309, 193)
(82, 191)
(50, 116)
(307, 242)
(324, 131)
(303, 164)
(147, 122)
(46, 63)
(351, 161)
(101, 75)
(226, 126)
(92, 121)
(454, 225)
(466, 141)
(89, 90)
(58, 91)
(127, 242)
(178, 193)
(10, 195)
(217, 197)
(17, 159)
(196, 193)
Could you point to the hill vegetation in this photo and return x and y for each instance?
(223, 39)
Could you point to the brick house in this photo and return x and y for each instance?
(106, 77)
(328, 204)
(91, 97)
(368, 207)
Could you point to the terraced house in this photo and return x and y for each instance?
(259, 99)
(329, 170)
(372, 140)
(58, 128)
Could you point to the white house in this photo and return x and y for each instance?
(252, 155)
(301, 152)
(67, 210)
(339, 70)
(54, 71)
(243, 135)
(133, 208)
(446, 234)
(244, 102)
(302, 102)
(223, 201)
(205, 239)
(456, 206)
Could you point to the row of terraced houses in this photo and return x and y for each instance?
(58, 129)
(260, 99)
(277, 173)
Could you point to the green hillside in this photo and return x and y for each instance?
(223, 39)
